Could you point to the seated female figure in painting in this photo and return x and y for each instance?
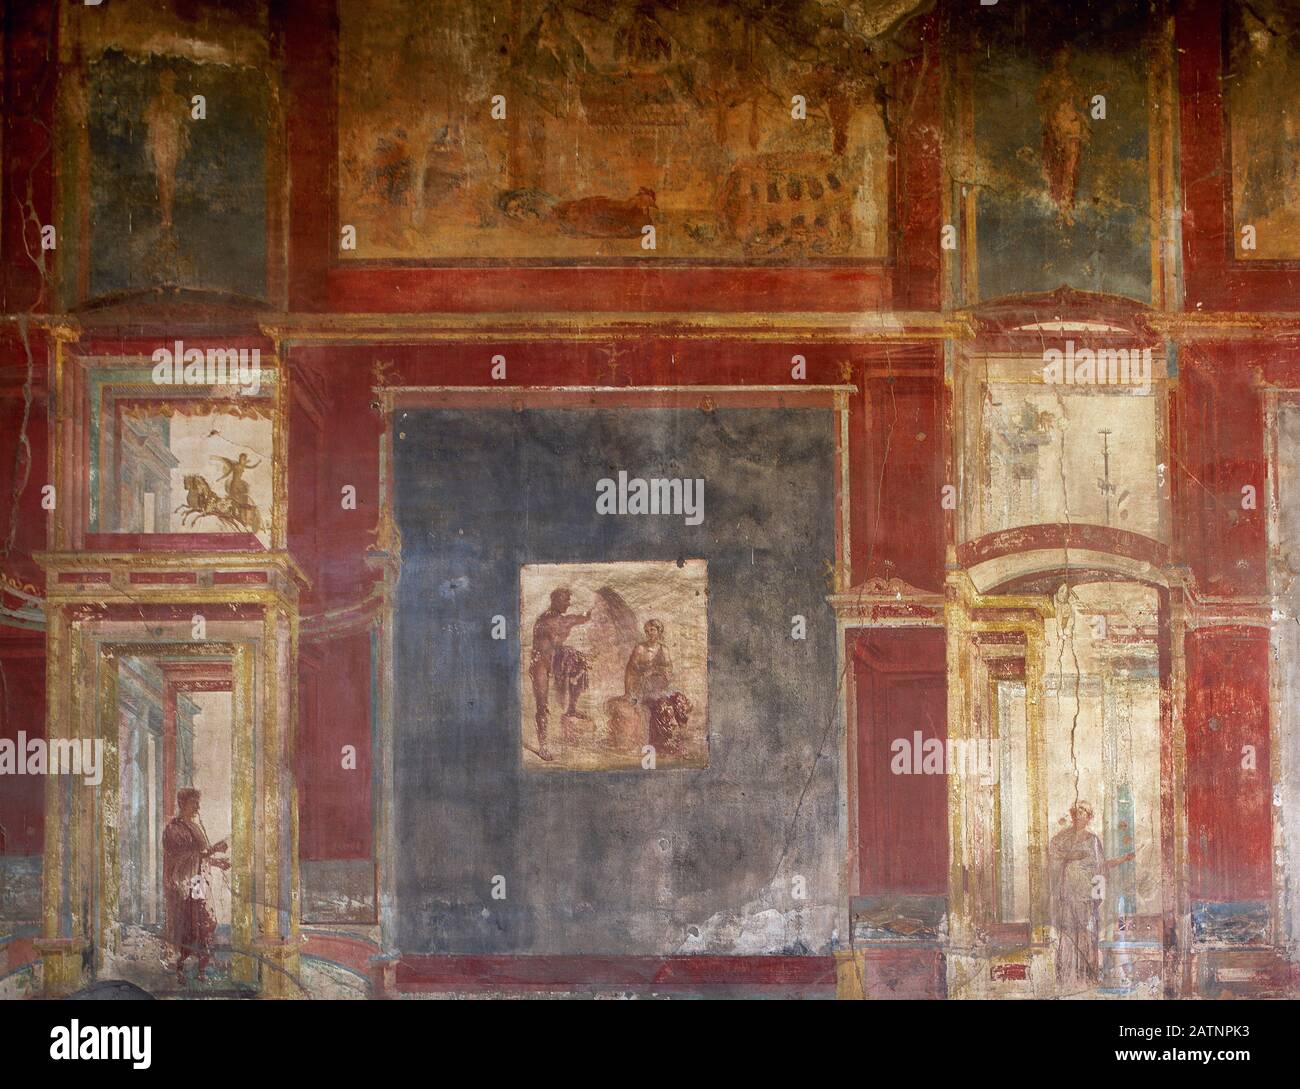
(660, 713)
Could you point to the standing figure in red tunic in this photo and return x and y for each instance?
(186, 857)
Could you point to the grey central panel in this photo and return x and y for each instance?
(615, 862)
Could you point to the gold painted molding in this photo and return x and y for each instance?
(587, 325)
(1193, 325)
(282, 570)
(598, 325)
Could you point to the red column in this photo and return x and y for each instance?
(1220, 504)
(1226, 724)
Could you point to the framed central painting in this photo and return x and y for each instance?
(560, 131)
(614, 664)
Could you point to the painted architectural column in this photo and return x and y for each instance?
(1221, 504)
(64, 942)
(277, 941)
(386, 558)
(993, 637)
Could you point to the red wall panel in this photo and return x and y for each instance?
(901, 681)
(904, 476)
(22, 708)
(30, 82)
(1229, 820)
(1218, 449)
(334, 802)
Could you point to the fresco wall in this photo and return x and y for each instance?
(1061, 150)
(685, 105)
(555, 819)
(1261, 46)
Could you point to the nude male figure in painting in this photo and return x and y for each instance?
(166, 139)
(236, 486)
(552, 660)
(1065, 131)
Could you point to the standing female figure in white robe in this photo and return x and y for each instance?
(1079, 866)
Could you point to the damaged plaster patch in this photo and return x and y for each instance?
(760, 927)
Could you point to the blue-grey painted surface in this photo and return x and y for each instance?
(631, 862)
